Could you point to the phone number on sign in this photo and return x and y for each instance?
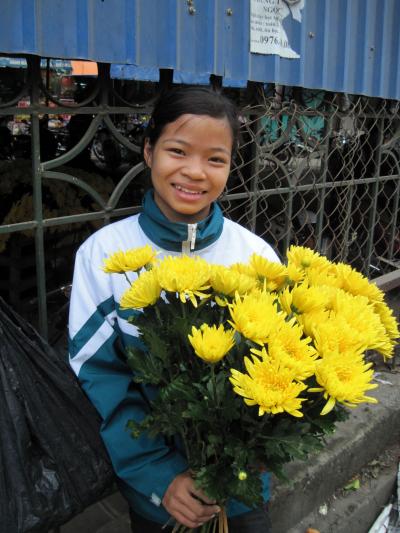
(270, 39)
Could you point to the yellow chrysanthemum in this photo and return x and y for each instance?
(359, 314)
(244, 268)
(144, 291)
(309, 321)
(242, 475)
(285, 300)
(227, 281)
(293, 350)
(272, 273)
(309, 299)
(255, 316)
(270, 385)
(211, 343)
(326, 277)
(335, 334)
(388, 320)
(330, 293)
(355, 283)
(303, 299)
(188, 276)
(294, 274)
(305, 258)
(344, 380)
(129, 261)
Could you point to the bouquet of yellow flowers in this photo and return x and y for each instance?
(255, 363)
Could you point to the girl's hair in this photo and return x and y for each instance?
(194, 101)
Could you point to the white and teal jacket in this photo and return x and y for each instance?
(99, 333)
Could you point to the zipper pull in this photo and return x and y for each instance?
(192, 235)
(189, 245)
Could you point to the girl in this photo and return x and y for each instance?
(188, 148)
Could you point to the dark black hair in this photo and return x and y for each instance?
(191, 100)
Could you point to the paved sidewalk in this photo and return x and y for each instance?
(355, 510)
(107, 516)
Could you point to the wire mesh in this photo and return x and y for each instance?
(321, 170)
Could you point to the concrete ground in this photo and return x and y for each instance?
(107, 516)
(354, 509)
(363, 451)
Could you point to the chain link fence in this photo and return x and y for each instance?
(321, 170)
(314, 168)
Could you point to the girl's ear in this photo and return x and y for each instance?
(147, 152)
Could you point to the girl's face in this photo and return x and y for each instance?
(190, 164)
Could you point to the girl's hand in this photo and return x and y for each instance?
(188, 505)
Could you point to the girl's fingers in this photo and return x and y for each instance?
(195, 509)
(185, 503)
(202, 497)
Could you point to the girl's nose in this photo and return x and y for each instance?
(194, 170)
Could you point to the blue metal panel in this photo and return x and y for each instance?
(344, 45)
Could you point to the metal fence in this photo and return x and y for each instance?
(314, 168)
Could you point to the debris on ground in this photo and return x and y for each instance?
(389, 519)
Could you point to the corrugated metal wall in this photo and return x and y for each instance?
(344, 45)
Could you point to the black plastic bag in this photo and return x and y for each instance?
(52, 461)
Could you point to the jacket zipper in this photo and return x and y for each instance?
(189, 245)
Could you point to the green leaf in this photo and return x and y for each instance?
(137, 428)
(177, 390)
(198, 411)
(145, 367)
(353, 485)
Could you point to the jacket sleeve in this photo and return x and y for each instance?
(146, 465)
(269, 253)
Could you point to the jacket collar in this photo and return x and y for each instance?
(177, 236)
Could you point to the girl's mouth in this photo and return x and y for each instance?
(188, 191)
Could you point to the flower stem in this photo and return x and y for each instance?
(183, 308)
(158, 314)
(224, 520)
(127, 279)
(185, 445)
(214, 385)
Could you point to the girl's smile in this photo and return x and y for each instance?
(190, 164)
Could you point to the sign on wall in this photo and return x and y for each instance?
(267, 32)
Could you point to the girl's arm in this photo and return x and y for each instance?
(147, 466)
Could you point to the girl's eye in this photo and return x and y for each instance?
(219, 160)
(177, 151)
